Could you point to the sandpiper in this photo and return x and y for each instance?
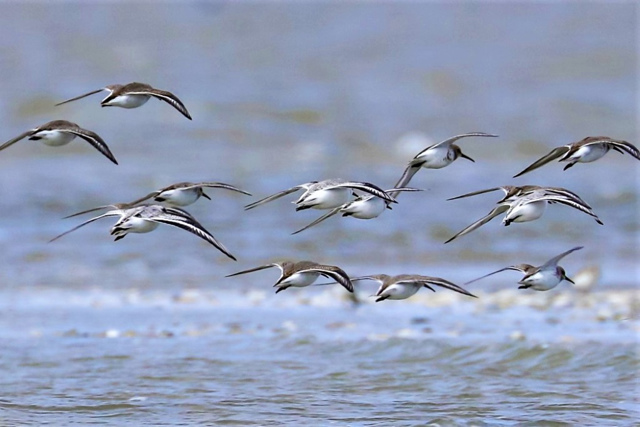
(405, 285)
(61, 132)
(542, 278)
(146, 218)
(527, 205)
(134, 95)
(512, 192)
(437, 156)
(588, 150)
(186, 193)
(362, 207)
(303, 273)
(327, 194)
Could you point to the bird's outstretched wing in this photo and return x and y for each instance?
(555, 259)
(273, 197)
(81, 96)
(482, 221)
(553, 154)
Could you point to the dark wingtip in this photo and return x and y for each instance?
(451, 239)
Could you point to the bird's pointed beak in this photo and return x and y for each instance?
(466, 157)
(205, 196)
(569, 280)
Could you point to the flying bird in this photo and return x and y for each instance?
(146, 218)
(522, 205)
(437, 156)
(588, 150)
(303, 273)
(362, 207)
(134, 95)
(542, 278)
(327, 194)
(62, 132)
(405, 285)
(186, 193)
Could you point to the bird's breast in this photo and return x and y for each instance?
(127, 101)
(366, 209)
(53, 138)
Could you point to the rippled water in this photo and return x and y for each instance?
(145, 358)
(147, 331)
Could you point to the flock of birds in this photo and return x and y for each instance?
(362, 200)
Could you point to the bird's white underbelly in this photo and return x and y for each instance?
(435, 158)
(139, 225)
(325, 199)
(366, 209)
(54, 138)
(526, 212)
(589, 153)
(301, 279)
(399, 291)
(542, 281)
(128, 101)
(179, 197)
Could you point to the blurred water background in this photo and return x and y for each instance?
(148, 331)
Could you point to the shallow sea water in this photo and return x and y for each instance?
(148, 331)
(312, 358)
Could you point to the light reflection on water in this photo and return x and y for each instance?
(151, 358)
(282, 94)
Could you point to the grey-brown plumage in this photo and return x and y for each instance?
(303, 273)
(587, 150)
(134, 95)
(437, 156)
(403, 286)
(542, 278)
(186, 193)
(326, 194)
(145, 218)
(61, 132)
(527, 203)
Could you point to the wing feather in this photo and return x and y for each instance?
(319, 220)
(17, 138)
(81, 96)
(453, 139)
(170, 99)
(553, 154)
(251, 270)
(554, 261)
(93, 139)
(482, 221)
(272, 197)
(332, 272)
(89, 221)
(192, 226)
(521, 268)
